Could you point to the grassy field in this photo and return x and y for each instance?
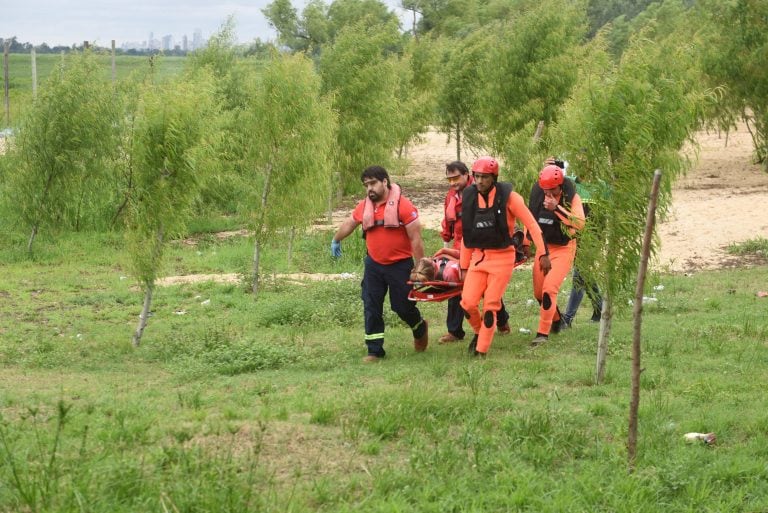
(236, 405)
(20, 73)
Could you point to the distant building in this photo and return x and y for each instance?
(167, 42)
(197, 39)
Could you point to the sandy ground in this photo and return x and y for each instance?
(708, 204)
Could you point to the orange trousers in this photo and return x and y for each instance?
(487, 278)
(545, 288)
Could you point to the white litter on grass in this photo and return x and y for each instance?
(524, 330)
(530, 302)
(658, 287)
(123, 278)
(206, 302)
(180, 312)
(646, 300)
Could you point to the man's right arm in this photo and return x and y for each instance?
(346, 228)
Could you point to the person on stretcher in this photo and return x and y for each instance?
(444, 266)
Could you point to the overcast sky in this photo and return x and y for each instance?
(64, 22)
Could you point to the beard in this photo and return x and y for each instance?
(373, 196)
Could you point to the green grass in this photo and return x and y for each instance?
(20, 74)
(236, 405)
(757, 247)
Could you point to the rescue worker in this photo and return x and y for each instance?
(490, 211)
(459, 178)
(579, 284)
(392, 233)
(557, 208)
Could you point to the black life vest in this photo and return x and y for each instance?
(552, 229)
(486, 228)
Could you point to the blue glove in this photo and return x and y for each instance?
(335, 248)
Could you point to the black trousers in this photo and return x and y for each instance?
(378, 279)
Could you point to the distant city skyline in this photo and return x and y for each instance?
(68, 22)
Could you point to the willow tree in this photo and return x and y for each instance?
(63, 149)
(292, 140)
(736, 57)
(531, 68)
(170, 125)
(624, 121)
(359, 74)
(458, 95)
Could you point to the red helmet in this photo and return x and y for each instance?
(486, 165)
(550, 177)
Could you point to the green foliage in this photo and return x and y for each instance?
(528, 72)
(171, 123)
(602, 12)
(61, 154)
(291, 132)
(624, 122)
(419, 78)
(360, 75)
(734, 56)
(235, 77)
(757, 246)
(458, 96)
(320, 23)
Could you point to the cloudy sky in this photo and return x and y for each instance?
(64, 22)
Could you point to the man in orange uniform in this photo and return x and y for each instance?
(490, 210)
(458, 177)
(392, 233)
(558, 210)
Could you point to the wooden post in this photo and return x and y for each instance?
(6, 81)
(637, 316)
(34, 73)
(114, 68)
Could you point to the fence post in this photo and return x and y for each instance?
(114, 68)
(6, 49)
(34, 73)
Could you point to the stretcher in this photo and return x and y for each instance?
(438, 290)
(435, 290)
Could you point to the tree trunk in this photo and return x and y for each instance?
(150, 287)
(606, 320)
(637, 316)
(458, 139)
(256, 258)
(144, 314)
(260, 232)
(291, 239)
(32, 239)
